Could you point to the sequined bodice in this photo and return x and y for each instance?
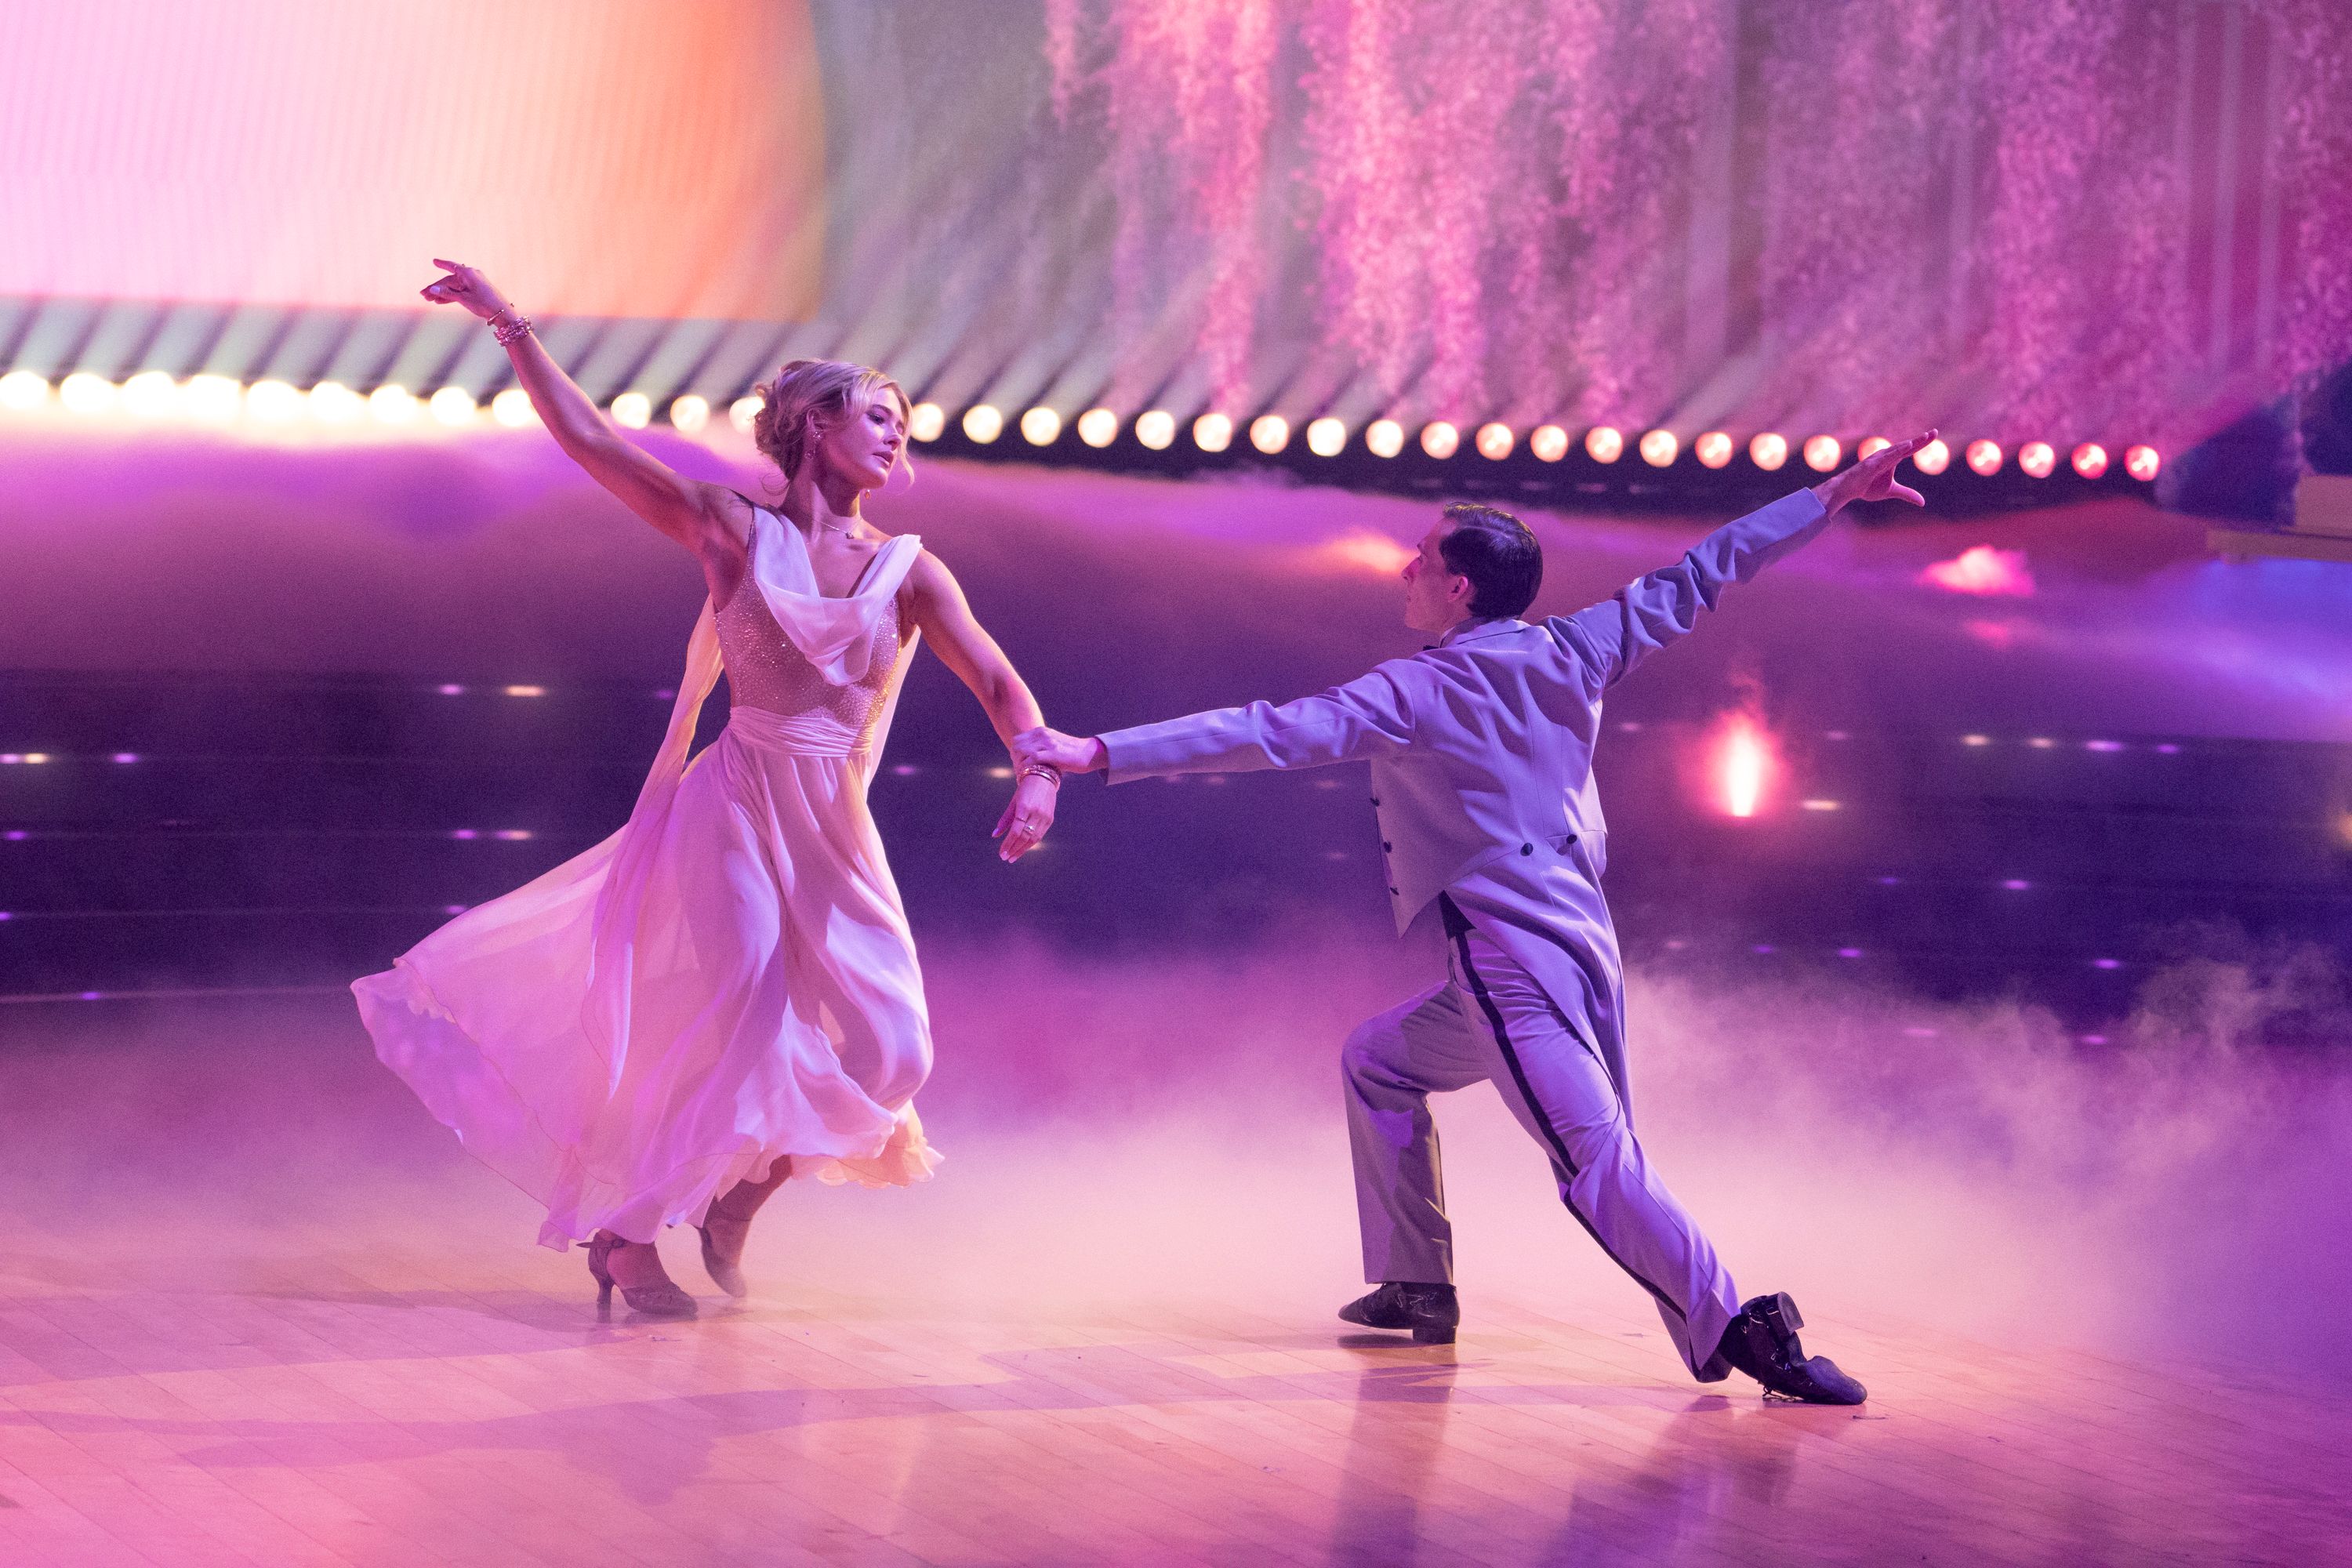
(764, 670)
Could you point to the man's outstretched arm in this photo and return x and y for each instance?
(1623, 630)
(1365, 718)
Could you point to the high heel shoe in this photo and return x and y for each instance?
(727, 1273)
(661, 1298)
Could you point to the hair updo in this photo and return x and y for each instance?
(829, 393)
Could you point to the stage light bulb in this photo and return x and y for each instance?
(1822, 452)
(1494, 441)
(2037, 458)
(1384, 438)
(1040, 426)
(1871, 445)
(392, 403)
(273, 402)
(151, 394)
(454, 406)
(1212, 432)
(333, 403)
(512, 409)
(1098, 426)
(983, 423)
(1768, 451)
(690, 413)
(1604, 444)
(1984, 458)
(1156, 428)
(215, 398)
(745, 410)
(1932, 458)
(631, 410)
(1440, 439)
(1658, 449)
(1269, 433)
(1712, 449)
(86, 393)
(1549, 443)
(22, 391)
(2142, 463)
(1326, 437)
(928, 422)
(2090, 459)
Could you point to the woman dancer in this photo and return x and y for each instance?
(640, 1037)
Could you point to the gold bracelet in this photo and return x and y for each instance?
(1051, 774)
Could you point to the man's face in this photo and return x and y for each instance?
(1435, 598)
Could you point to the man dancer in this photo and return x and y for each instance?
(1481, 750)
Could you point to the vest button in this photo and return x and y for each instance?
(1386, 845)
(1526, 848)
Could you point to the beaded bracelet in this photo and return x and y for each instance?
(1039, 770)
(517, 325)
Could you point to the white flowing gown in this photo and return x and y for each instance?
(726, 981)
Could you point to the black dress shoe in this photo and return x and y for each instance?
(1429, 1310)
(1762, 1342)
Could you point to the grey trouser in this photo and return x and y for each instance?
(1491, 1021)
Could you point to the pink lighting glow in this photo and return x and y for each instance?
(1269, 433)
(1327, 436)
(1658, 449)
(1982, 570)
(1440, 439)
(1384, 438)
(1822, 452)
(1604, 444)
(1870, 445)
(1932, 458)
(1984, 458)
(1712, 449)
(2090, 459)
(1549, 443)
(2142, 463)
(549, 149)
(1494, 441)
(1742, 766)
(1768, 451)
(2037, 459)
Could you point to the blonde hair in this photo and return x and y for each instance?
(829, 393)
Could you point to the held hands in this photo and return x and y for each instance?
(1049, 748)
(1042, 755)
(464, 285)
(1873, 478)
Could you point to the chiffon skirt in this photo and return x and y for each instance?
(728, 981)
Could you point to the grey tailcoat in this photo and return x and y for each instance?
(1481, 750)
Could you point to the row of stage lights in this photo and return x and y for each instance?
(220, 399)
(1327, 438)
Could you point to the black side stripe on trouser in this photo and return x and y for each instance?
(1551, 1135)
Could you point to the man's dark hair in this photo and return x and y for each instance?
(1496, 552)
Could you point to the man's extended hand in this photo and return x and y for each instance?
(1873, 478)
(1050, 748)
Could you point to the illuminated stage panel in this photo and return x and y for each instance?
(594, 159)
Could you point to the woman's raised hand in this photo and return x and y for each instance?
(463, 285)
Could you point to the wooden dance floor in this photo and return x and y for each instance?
(347, 1404)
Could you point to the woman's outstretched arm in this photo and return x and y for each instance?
(687, 510)
(945, 617)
